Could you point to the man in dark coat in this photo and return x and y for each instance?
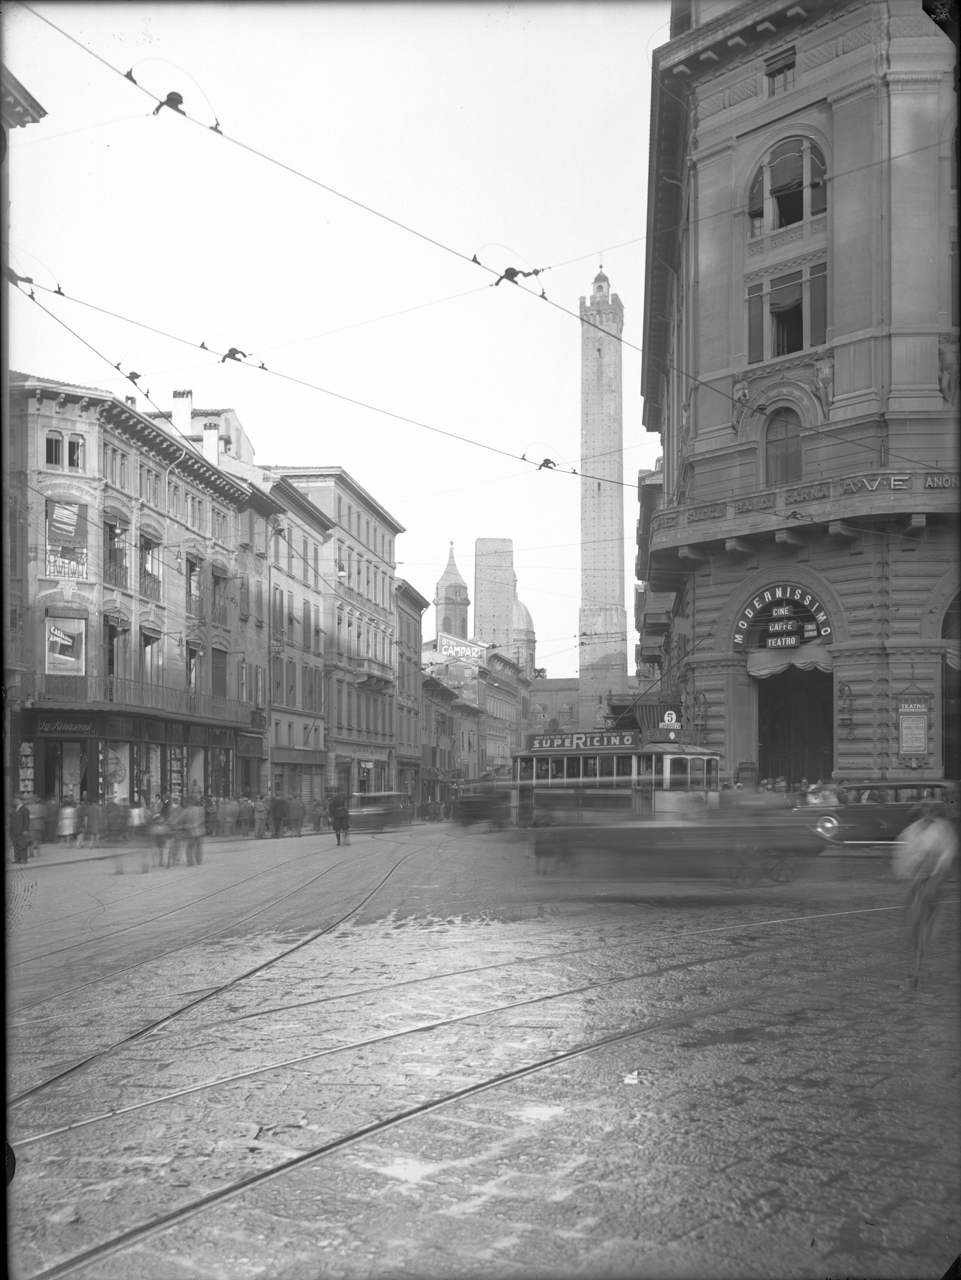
(339, 815)
(20, 829)
(278, 812)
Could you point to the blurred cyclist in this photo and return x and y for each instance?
(924, 856)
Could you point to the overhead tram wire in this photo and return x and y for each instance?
(473, 260)
(480, 444)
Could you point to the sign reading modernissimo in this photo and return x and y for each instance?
(772, 599)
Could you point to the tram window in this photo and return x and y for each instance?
(607, 766)
(712, 767)
(659, 769)
(623, 766)
(541, 768)
(573, 766)
(679, 773)
(697, 774)
(527, 768)
(644, 766)
(590, 766)
(557, 767)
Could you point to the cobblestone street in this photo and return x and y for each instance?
(611, 1077)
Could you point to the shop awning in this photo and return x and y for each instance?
(771, 662)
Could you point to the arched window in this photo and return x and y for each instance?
(782, 447)
(445, 624)
(788, 187)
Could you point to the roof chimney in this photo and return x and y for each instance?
(212, 441)
(131, 400)
(182, 408)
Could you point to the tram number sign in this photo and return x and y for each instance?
(781, 625)
(781, 642)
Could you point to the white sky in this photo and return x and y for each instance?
(518, 132)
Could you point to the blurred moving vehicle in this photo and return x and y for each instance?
(483, 802)
(612, 803)
(376, 810)
(875, 813)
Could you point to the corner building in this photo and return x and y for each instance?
(799, 548)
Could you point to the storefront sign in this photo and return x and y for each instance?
(782, 611)
(855, 484)
(940, 480)
(777, 625)
(762, 502)
(715, 512)
(581, 741)
(457, 650)
(807, 493)
(778, 596)
(781, 642)
(65, 725)
(250, 747)
(66, 646)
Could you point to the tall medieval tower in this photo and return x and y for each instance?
(451, 601)
(602, 620)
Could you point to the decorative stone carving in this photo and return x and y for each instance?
(84, 405)
(948, 367)
(743, 91)
(61, 403)
(824, 382)
(742, 395)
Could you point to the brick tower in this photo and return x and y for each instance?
(602, 620)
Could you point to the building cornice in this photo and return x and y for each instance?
(296, 502)
(337, 476)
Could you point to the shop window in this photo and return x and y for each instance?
(76, 453)
(782, 451)
(54, 454)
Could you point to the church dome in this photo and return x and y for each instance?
(521, 619)
(451, 575)
(601, 278)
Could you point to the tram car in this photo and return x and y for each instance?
(486, 803)
(652, 804)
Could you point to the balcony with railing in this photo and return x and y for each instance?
(114, 692)
(115, 574)
(149, 586)
(370, 671)
(195, 607)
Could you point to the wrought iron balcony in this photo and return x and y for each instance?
(115, 574)
(218, 613)
(195, 607)
(149, 586)
(114, 692)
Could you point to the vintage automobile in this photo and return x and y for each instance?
(869, 814)
(377, 810)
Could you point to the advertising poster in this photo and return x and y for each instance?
(65, 646)
(66, 539)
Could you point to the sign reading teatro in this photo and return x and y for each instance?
(790, 616)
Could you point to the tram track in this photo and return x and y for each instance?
(193, 902)
(240, 1186)
(157, 1023)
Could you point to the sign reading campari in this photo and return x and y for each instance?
(453, 649)
(787, 616)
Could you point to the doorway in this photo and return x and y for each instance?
(795, 719)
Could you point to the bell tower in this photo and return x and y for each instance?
(451, 601)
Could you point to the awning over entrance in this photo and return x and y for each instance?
(953, 655)
(771, 662)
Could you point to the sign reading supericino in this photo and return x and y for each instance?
(776, 597)
(580, 741)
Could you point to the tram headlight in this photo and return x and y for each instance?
(828, 827)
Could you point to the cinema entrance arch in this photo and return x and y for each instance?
(785, 632)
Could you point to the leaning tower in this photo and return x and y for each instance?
(602, 620)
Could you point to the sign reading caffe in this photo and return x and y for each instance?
(783, 616)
